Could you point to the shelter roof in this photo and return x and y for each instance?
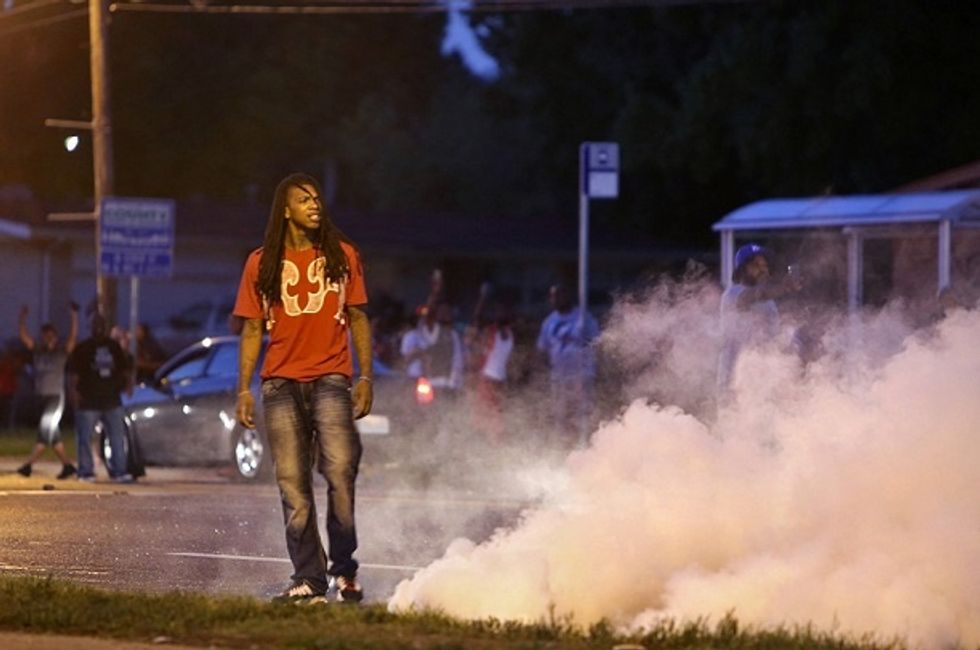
(962, 207)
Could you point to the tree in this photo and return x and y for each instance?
(714, 105)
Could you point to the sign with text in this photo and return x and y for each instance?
(136, 237)
(600, 169)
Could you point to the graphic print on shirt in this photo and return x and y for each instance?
(314, 299)
(103, 362)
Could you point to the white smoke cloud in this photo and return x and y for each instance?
(844, 494)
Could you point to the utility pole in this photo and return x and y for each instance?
(98, 23)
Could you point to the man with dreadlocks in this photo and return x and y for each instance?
(306, 285)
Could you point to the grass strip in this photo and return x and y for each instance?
(19, 443)
(44, 605)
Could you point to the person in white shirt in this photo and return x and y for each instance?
(749, 315)
(434, 349)
(497, 340)
(566, 339)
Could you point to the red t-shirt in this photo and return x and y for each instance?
(309, 333)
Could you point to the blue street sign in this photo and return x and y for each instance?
(136, 237)
(600, 169)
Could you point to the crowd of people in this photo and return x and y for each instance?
(485, 360)
(482, 360)
(479, 364)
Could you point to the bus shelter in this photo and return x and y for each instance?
(856, 218)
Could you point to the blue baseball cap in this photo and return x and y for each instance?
(747, 253)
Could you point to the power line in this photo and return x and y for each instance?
(336, 7)
(396, 6)
(365, 8)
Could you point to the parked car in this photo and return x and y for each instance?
(186, 415)
(193, 323)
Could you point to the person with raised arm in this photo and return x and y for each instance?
(50, 355)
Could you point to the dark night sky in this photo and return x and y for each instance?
(44, 73)
(714, 106)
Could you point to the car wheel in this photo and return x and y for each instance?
(134, 463)
(250, 455)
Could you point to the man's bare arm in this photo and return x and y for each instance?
(73, 328)
(768, 291)
(248, 355)
(25, 336)
(363, 392)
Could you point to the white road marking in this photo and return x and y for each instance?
(258, 558)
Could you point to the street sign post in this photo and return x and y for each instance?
(600, 169)
(598, 179)
(136, 237)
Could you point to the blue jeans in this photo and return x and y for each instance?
(311, 423)
(572, 402)
(112, 420)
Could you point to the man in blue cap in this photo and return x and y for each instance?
(748, 309)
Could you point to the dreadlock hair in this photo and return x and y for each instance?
(327, 241)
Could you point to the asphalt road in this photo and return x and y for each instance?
(196, 530)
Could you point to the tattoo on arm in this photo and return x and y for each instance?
(360, 329)
(248, 353)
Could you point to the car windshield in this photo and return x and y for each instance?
(224, 363)
(190, 366)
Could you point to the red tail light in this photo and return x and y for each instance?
(424, 394)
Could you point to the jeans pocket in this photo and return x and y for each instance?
(272, 386)
(334, 381)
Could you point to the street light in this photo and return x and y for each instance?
(71, 143)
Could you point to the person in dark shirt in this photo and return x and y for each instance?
(98, 374)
